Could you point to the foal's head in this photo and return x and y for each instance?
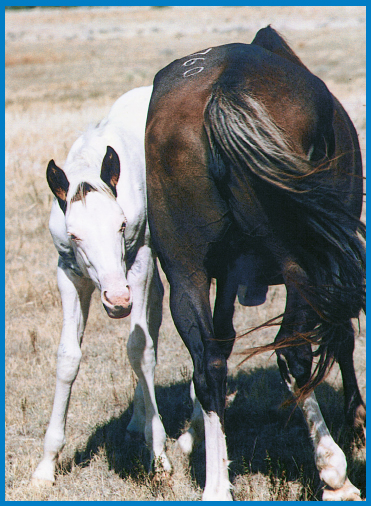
(95, 225)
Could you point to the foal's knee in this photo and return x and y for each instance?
(68, 363)
(141, 352)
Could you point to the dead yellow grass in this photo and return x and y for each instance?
(65, 67)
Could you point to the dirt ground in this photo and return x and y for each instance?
(64, 69)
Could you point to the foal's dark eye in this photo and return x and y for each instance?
(73, 237)
(123, 227)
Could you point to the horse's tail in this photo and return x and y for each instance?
(315, 238)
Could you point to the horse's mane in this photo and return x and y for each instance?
(84, 162)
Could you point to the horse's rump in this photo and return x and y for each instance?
(347, 156)
(309, 227)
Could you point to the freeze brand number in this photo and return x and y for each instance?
(194, 63)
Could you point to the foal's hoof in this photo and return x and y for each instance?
(43, 475)
(348, 492)
(186, 443)
(190, 440)
(40, 483)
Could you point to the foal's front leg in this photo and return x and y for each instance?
(146, 315)
(76, 294)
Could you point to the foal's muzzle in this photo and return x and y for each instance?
(117, 305)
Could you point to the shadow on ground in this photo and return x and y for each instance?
(263, 436)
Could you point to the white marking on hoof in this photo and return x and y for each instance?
(330, 459)
(218, 487)
(217, 497)
(348, 492)
(331, 463)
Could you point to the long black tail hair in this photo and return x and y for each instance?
(325, 257)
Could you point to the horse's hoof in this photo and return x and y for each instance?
(161, 477)
(348, 492)
(161, 466)
(221, 496)
(357, 426)
(133, 436)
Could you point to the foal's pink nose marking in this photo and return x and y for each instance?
(122, 300)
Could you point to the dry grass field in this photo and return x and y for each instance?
(64, 69)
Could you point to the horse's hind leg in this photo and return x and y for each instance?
(295, 367)
(224, 332)
(355, 409)
(75, 293)
(192, 316)
(146, 316)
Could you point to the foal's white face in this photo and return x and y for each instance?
(95, 225)
(96, 229)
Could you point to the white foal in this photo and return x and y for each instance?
(99, 227)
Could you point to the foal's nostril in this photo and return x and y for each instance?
(121, 300)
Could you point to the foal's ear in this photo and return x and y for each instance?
(110, 171)
(58, 183)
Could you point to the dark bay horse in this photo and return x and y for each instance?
(254, 178)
